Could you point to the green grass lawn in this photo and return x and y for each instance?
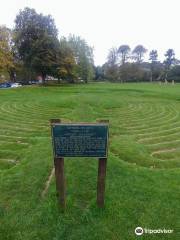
(143, 175)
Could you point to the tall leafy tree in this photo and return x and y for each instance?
(99, 73)
(138, 53)
(174, 73)
(153, 57)
(124, 51)
(67, 64)
(132, 72)
(83, 54)
(6, 53)
(36, 41)
(112, 58)
(111, 68)
(169, 61)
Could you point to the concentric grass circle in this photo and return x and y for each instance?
(144, 129)
(149, 133)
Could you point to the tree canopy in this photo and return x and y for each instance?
(83, 56)
(37, 49)
(124, 51)
(139, 52)
(124, 65)
(6, 55)
(34, 48)
(36, 41)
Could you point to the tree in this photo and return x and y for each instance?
(112, 58)
(124, 53)
(112, 69)
(99, 73)
(169, 61)
(133, 72)
(83, 54)
(66, 68)
(6, 54)
(45, 56)
(153, 55)
(36, 41)
(174, 73)
(138, 53)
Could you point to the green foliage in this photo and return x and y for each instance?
(170, 58)
(111, 67)
(67, 64)
(112, 58)
(169, 61)
(41, 51)
(119, 69)
(83, 56)
(132, 72)
(33, 49)
(153, 55)
(138, 53)
(174, 73)
(36, 41)
(99, 73)
(6, 54)
(124, 51)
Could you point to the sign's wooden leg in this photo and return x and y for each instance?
(60, 181)
(101, 182)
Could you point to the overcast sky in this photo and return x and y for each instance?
(108, 23)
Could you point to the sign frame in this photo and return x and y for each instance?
(99, 124)
(59, 165)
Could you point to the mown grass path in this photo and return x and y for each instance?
(142, 185)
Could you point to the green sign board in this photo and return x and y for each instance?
(80, 140)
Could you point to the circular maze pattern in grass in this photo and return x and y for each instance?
(144, 131)
(148, 133)
(22, 125)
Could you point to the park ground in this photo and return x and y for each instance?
(143, 175)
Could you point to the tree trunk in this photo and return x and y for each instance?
(151, 77)
(165, 79)
(43, 78)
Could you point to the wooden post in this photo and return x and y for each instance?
(101, 177)
(60, 181)
(101, 182)
(59, 175)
